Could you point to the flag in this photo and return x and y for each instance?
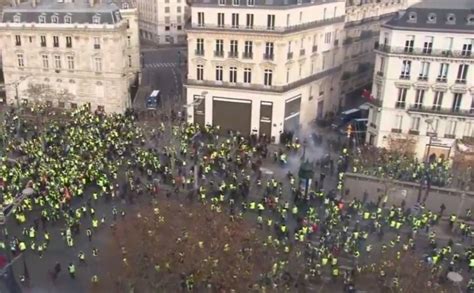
(366, 94)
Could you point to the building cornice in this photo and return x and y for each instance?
(63, 27)
(432, 30)
(368, 20)
(193, 27)
(260, 87)
(265, 7)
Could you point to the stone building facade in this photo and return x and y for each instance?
(163, 21)
(361, 33)
(70, 53)
(263, 67)
(423, 84)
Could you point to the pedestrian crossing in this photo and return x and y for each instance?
(161, 65)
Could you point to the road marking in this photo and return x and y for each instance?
(161, 65)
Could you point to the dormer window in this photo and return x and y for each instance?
(250, 2)
(67, 19)
(431, 18)
(117, 16)
(54, 19)
(236, 2)
(125, 5)
(470, 19)
(412, 17)
(17, 18)
(96, 19)
(221, 2)
(451, 19)
(42, 19)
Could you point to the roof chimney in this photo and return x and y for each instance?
(91, 3)
(33, 3)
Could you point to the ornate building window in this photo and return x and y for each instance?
(96, 19)
(412, 17)
(451, 19)
(431, 18)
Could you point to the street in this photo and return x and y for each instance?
(163, 69)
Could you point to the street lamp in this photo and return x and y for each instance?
(305, 175)
(16, 84)
(196, 102)
(431, 134)
(429, 123)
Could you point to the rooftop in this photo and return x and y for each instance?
(445, 4)
(258, 3)
(438, 15)
(62, 11)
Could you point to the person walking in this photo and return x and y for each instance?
(72, 270)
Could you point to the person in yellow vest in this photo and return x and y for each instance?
(335, 272)
(252, 205)
(22, 246)
(294, 210)
(471, 263)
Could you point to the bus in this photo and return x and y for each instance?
(153, 100)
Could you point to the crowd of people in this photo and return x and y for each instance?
(72, 165)
(400, 166)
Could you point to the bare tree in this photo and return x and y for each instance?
(402, 144)
(40, 93)
(401, 273)
(171, 246)
(37, 92)
(64, 95)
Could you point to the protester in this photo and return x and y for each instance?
(74, 164)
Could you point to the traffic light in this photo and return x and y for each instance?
(349, 130)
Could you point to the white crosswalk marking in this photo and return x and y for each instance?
(161, 65)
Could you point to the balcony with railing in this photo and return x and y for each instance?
(267, 56)
(233, 54)
(424, 51)
(199, 52)
(405, 76)
(289, 56)
(302, 52)
(272, 30)
(400, 105)
(247, 55)
(218, 53)
(261, 87)
(417, 108)
(422, 77)
(315, 49)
